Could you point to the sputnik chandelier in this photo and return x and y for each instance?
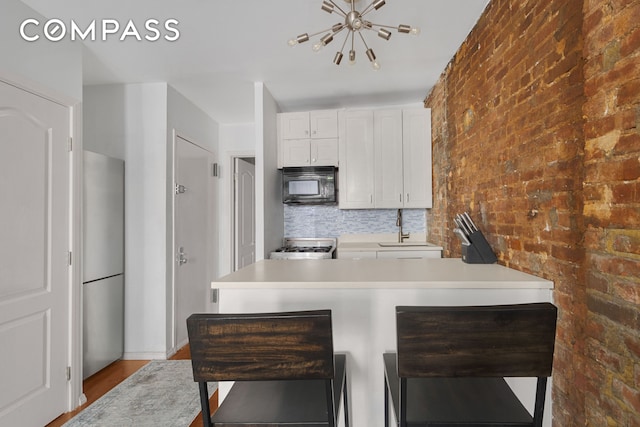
(354, 23)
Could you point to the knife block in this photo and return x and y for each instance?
(478, 251)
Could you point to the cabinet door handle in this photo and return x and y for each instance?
(313, 160)
(407, 197)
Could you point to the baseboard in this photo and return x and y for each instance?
(144, 356)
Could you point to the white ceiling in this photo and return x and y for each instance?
(225, 46)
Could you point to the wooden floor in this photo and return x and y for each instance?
(103, 381)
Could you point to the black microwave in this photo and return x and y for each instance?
(309, 185)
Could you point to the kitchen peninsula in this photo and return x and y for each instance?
(363, 294)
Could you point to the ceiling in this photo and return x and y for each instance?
(226, 46)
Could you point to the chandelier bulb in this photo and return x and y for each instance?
(415, 31)
(385, 34)
(375, 65)
(352, 57)
(327, 6)
(317, 47)
(292, 42)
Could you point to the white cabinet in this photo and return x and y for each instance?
(400, 254)
(387, 141)
(356, 254)
(389, 254)
(308, 138)
(402, 142)
(356, 181)
(416, 155)
(309, 152)
(310, 124)
(385, 159)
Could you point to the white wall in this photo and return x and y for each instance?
(191, 123)
(145, 112)
(136, 122)
(235, 140)
(104, 124)
(269, 207)
(56, 67)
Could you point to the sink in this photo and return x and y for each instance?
(399, 245)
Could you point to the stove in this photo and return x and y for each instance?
(305, 248)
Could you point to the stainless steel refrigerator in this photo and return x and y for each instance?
(103, 257)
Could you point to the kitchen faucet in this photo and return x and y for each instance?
(401, 235)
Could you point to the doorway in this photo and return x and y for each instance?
(194, 233)
(244, 212)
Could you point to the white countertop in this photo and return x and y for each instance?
(384, 242)
(387, 246)
(449, 273)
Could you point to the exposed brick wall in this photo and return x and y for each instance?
(612, 210)
(536, 134)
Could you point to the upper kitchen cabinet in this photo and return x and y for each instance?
(416, 158)
(399, 174)
(387, 143)
(308, 138)
(356, 174)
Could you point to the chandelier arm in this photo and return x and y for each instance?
(345, 41)
(335, 33)
(324, 31)
(371, 24)
(367, 9)
(342, 12)
(362, 37)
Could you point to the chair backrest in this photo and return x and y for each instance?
(254, 347)
(483, 341)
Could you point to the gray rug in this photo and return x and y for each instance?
(161, 393)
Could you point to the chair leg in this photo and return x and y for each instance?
(386, 403)
(538, 410)
(345, 403)
(204, 403)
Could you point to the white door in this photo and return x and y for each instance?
(193, 233)
(34, 257)
(245, 212)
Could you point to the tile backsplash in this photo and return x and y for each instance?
(329, 221)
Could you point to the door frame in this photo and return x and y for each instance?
(74, 392)
(171, 332)
(231, 203)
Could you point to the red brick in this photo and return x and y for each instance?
(630, 43)
(628, 144)
(623, 315)
(556, 129)
(629, 93)
(628, 395)
(611, 361)
(633, 345)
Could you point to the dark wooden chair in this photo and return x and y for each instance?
(283, 365)
(451, 362)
